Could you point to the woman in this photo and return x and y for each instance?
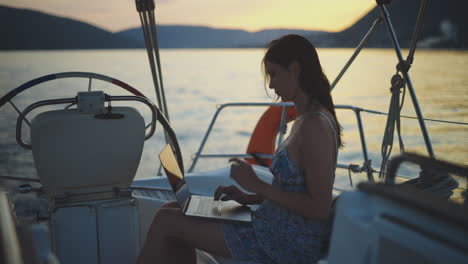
(293, 218)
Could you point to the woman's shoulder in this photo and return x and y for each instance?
(315, 132)
(314, 123)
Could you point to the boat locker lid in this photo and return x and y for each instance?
(79, 152)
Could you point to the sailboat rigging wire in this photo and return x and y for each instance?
(154, 33)
(145, 10)
(360, 46)
(414, 117)
(417, 31)
(144, 23)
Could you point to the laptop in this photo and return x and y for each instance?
(197, 205)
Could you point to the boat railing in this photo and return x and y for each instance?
(366, 167)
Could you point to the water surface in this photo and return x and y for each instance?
(197, 81)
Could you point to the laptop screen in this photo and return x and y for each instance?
(171, 167)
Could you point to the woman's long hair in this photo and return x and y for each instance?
(295, 48)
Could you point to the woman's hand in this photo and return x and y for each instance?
(233, 193)
(243, 173)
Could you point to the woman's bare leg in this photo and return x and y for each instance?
(173, 237)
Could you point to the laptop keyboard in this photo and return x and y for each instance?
(208, 206)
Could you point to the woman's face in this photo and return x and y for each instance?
(282, 80)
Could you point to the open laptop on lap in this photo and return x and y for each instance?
(196, 205)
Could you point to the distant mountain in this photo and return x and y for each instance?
(26, 29)
(171, 36)
(444, 26)
(190, 36)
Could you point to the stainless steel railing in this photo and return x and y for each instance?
(282, 130)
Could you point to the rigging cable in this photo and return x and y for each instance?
(145, 10)
(413, 117)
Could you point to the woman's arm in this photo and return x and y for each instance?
(226, 193)
(315, 156)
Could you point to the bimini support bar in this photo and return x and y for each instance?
(145, 9)
(403, 66)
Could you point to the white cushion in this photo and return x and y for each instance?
(78, 153)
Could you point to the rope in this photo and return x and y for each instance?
(438, 182)
(352, 167)
(367, 166)
(393, 119)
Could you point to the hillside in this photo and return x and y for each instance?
(171, 36)
(23, 29)
(26, 29)
(444, 26)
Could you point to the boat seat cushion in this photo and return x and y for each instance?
(79, 153)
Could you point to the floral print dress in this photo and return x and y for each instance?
(278, 235)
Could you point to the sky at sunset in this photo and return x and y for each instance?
(251, 15)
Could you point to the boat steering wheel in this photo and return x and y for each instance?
(157, 116)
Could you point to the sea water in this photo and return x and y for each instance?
(196, 81)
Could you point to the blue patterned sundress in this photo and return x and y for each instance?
(278, 235)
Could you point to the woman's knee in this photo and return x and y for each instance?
(167, 210)
(166, 217)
